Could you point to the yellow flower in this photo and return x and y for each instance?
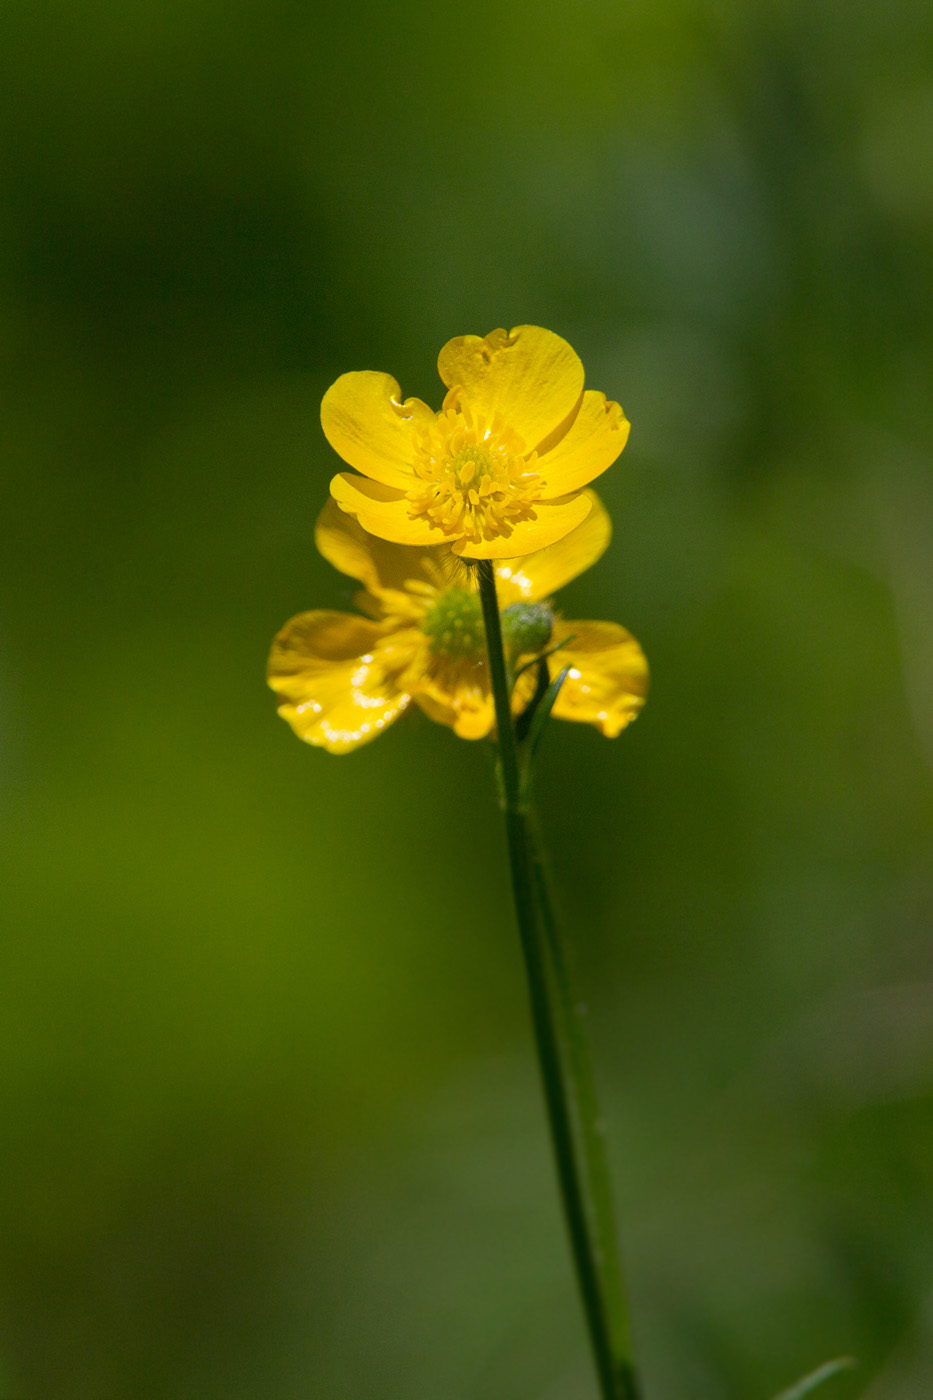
(499, 471)
(340, 678)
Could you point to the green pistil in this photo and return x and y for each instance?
(453, 625)
(470, 465)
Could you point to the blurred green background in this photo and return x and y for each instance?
(270, 1122)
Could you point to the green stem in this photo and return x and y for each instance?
(576, 1130)
(590, 1125)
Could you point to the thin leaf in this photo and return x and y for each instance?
(524, 721)
(817, 1377)
(543, 656)
(543, 710)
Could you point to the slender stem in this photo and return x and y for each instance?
(562, 1052)
(590, 1125)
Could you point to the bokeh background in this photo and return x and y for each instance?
(269, 1120)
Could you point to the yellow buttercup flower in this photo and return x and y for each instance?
(341, 679)
(499, 471)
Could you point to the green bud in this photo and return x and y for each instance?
(526, 628)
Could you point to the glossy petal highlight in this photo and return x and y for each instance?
(332, 685)
(528, 376)
(366, 422)
(532, 577)
(608, 678)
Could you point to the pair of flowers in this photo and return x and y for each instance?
(500, 473)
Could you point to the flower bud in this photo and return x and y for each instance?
(526, 628)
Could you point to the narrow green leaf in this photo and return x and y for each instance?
(524, 721)
(543, 656)
(542, 711)
(817, 1377)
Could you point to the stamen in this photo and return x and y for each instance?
(475, 479)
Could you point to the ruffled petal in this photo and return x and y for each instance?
(383, 511)
(534, 576)
(387, 570)
(608, 678)
(366, 422)
(530, 376)
(337, 678)
(552, 521)
(591, 444)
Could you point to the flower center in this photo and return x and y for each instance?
(475, 480)
(453, 625)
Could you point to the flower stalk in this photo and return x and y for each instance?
(560, 1036)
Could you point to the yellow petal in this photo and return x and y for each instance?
(608, 678)
(552, 521)
(383, 511)
(540, 575)
(333, 686)
(470, 718)
(365, 420)
(457, 693)
(591, 444)
(385, 569)
(528, 375)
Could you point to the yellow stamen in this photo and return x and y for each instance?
(475, 480)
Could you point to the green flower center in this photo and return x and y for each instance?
(470, 463)
(453, 625)
(526, 627)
